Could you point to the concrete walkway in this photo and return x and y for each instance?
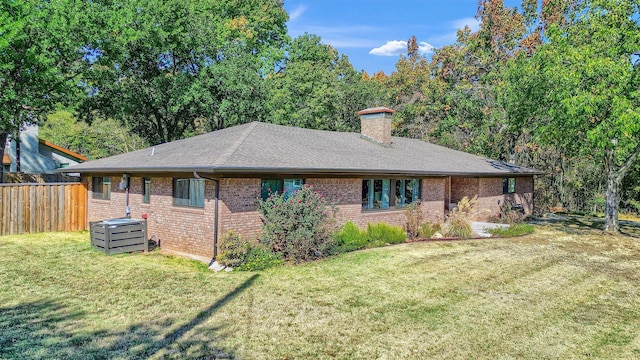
(479, 227)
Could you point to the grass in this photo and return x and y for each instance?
(566, 291)
(513, 230)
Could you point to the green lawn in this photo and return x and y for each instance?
(567, 291)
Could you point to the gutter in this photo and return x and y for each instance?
(238, 171)
(215, 213)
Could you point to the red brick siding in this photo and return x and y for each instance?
(432, 195)
(461, 187)
(182, 229)
(524, 193)
(490, 196)
(238, 206)
(190, 230)
(377, 127)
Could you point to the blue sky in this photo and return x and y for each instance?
(373, 33)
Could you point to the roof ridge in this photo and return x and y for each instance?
(224, 156)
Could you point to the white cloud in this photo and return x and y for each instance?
(472, 23)
(297, 12)
(399, 47)
(391, 48)
(425, 48)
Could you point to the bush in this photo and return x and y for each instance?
(513, 230)
(457, 227)
(350, 238)
(414, 216)
(260, 258)
(457, 223)
(381, 234)
(511, 214)
(233, 249)
(427, 230)
(297, 225)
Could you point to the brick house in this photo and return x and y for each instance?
(195, 189)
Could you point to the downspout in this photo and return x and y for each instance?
(215, 221)
(215, 213)
(126, 181)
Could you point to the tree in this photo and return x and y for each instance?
(580, 89)
(161, 66)
(39, 56)
(105, 137)
(318, 88)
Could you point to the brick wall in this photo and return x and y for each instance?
(461, 187)
(181, 229)
(190, 230)
(238, 206)
(490, 196)
(377, 127)
(432, 193)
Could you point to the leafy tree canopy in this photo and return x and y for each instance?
(579, 90)
(39, 56)
(162, 66)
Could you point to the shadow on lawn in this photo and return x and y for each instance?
(48, 329)
(587, 225)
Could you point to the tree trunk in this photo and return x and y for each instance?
(614, 179)
(612, 201)
(3, 142)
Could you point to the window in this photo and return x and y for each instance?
(64, 165)
(508, 185)
(188, 192)
(406, 192)
(102, 188)
(389, 193)
(279, 186)
(146, 190)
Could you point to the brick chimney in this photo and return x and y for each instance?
(375, 125)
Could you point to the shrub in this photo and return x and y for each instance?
(260, 258)
(297, 225)
(427, 230)
(457, 227)
(466, 207)
(457, 223)
(381, 234)
(513, 230)
(350, 238)
(511, 214)
(414, 216)
(233, 249)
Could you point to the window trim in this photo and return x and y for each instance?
(508, 185)
(146, 190)
(390, 198)
(280, 187)
(104, 186)
(190, 203)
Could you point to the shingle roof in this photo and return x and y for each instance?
(261, 148)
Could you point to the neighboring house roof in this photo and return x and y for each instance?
(261, 148)
(62, 150)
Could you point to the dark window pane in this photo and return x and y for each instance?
(146, 190)
(366, 200)
(188, 192)
(271, 186)
(508, 185)
(196, 192)
(102, 188)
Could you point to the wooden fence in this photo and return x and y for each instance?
(30, 208)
